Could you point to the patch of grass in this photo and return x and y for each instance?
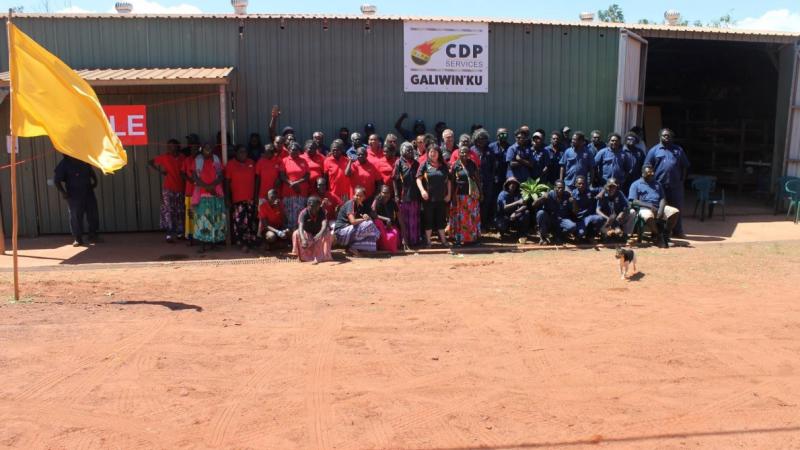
(22, 300)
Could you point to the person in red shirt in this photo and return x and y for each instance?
(316, 162)
(294, 176)
(330, 201)
(336, 164)
(464, 140)
(208, 200)
(272, 221)
(422, 144)
(280, 147)
(240, 181)
(364, 173)
(187, 173)
(385, 164)
(268, 169)
(374, 149)
(169, 165)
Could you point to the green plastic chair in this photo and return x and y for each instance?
(792, 188)
(704, 187)
(782, 194)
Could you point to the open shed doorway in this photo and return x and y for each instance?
(720, 99)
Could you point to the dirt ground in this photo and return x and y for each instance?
(545, 349)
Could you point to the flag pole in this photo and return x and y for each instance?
(13, 147)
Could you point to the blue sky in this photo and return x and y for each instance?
(765, 14)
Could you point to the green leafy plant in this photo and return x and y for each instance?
(533, 190)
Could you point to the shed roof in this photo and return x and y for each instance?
(149, 76)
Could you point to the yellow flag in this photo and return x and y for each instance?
(50, 99)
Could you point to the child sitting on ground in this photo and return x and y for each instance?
(626, 258)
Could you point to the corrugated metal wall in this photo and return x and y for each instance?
(346, 75)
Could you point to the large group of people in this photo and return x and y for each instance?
(412, 188)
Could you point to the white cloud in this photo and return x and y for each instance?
(144, 7)
(776, 19)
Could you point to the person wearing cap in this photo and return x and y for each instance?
(357, 143)
(513, 212)
(612, 161)
(555, 217)
(612, 206)
(273, 125)
(671, 165)
(540, 158)
(499, 147)
(576, 160)
(417, 129)
(518, 157)
(588, 222)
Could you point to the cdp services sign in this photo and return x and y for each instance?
(446, 57)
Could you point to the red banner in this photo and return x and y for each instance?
(129, 122)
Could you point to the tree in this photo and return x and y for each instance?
(725, 21)
(613, 14)
(646, 22)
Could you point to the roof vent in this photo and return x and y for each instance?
(123, 7)
(239, 6)
(368, 10)
(587, 16)
(673, 17)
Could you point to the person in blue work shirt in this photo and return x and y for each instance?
(612, 206)
(613, 161)
(555, 150)
(499, 147)
(357, 143)
(648, 194)
(513, 212)
(555, 217)
(76, 180)
(637, 156)
(588, 222)
(576, 160)
(671, 165)
(540, 158)
(518, 157)
(596, 142)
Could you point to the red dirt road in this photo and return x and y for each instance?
(545, 349)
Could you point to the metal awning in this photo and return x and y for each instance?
(149, 76)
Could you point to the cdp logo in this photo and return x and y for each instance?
(422, 53)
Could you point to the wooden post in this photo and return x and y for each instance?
(223, 140)
(13, 147)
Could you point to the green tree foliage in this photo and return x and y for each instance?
(613, 14)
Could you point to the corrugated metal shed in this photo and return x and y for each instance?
(650, 30)
(153, 76)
